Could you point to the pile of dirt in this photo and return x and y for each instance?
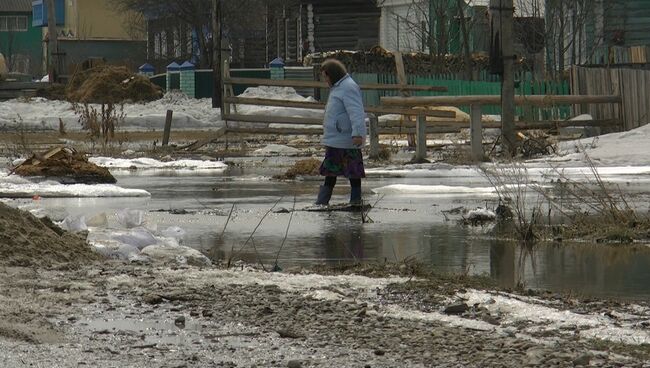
(111, 84)
(28, 241)
(65, 165)
(308, 167)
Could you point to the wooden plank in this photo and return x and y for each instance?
(168, 127)
(321, 106)
(421, 135)
(549, 100)
(21, 85)
(200, 143)
(374, 136)
(272, 119)
(314, 84)
(275, 131)
(547, 124)
(476, 133)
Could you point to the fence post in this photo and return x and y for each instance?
(476, 132)
(421, 147)
(168, 127)
(374, 136)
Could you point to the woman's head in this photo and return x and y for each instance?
(333, 70)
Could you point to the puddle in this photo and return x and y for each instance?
(405, 227)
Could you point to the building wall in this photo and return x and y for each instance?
(22, 49)
(399, 29)
(97, 20)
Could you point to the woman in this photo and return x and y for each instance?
(344, 131)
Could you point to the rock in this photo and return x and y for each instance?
(180, 322)
(207, 313)
(288, 333)
(294, 364)
(379, 352)
(152, 299)
(458, 308)
(582, 360)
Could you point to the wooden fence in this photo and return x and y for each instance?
(631, 84)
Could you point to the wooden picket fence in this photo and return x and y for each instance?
(632, 85)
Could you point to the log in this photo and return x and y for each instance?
(380, 110)
(315, 84)
(540, 101)
(275, 131)
(273, 119)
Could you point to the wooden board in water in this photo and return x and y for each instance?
(339, 207)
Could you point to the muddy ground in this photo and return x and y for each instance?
(61, 306)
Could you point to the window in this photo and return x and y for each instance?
(17, 23)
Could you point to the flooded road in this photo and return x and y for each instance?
(404, 227)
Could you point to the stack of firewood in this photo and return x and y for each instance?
(379, 60)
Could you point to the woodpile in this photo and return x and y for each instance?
(379, 60)
(66, 165)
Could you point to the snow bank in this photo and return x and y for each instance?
(15, 187)
(152, 164)
(277, 93)
(434, 190)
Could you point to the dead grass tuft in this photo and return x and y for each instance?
(308, 167)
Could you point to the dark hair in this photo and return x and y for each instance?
(334, 69)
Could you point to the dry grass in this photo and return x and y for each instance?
(308, 167)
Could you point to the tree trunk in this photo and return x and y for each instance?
(53, 42)
(466, 53)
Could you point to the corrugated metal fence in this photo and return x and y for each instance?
(631, 84)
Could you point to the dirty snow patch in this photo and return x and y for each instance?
(153, 164)
(433, 190)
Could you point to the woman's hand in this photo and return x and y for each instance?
(357, 141)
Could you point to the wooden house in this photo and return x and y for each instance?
(20, 42)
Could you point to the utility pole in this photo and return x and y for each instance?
(217, 63)
(53, 42)
(502, 12)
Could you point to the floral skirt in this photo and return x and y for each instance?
(343, 162)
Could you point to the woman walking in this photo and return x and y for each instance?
(344, 131)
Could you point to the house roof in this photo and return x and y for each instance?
(15, 6)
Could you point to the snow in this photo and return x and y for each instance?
(616, 149)
(152, 164)
(13, 186)
(276, 148)
(434, 190)
(514, 310)
(189, 113)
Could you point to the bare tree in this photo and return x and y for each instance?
(238, 17)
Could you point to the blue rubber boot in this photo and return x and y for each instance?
(355, 196)
(324, 195)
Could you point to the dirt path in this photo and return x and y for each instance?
(118, 315)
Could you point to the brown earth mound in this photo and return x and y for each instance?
(65, 165)
(28, 241)
(111, 84)
(309, 166)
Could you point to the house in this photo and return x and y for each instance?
(407, 25)
(89, 29)
(606, 32)
(20, 42)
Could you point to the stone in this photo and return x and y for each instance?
(152, 299)
(294, 364)
(582, 360)
(458, 308)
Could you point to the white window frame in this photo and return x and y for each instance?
(5, 23)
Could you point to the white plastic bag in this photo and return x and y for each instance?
(130, 218)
